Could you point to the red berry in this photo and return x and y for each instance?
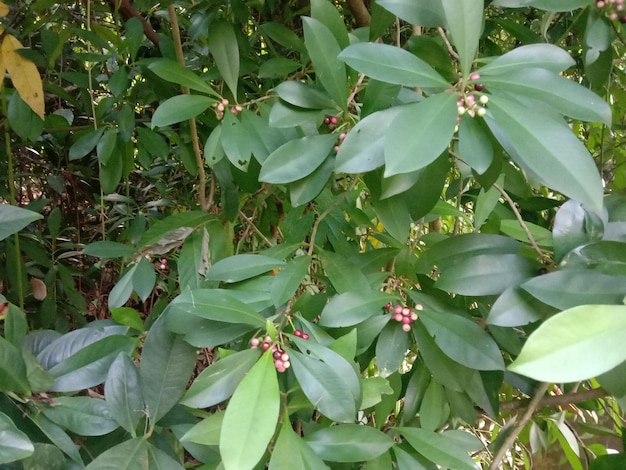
(388, 306)
(413, 316)
(265, 346)
(254, 342)
(284, 357)
(406, 327)
(622, 19)
(336, 148)
(398, 317)
(277, 354)
(334, 120)
(479, 87)
(305, 336)
(397, 309)
(406, 311)
(298, 333)
(406, 320)
(326, 120)
(474, 76)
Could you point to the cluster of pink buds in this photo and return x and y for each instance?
(613, 9)
(403, 314)
(341, 138)
(301, 334)
(331, 122)
(163, 263)
(221, 107)
(281, 357)
(471, 104)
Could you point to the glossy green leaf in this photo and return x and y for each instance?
(213, 150)
(435, 409)
(545, 56)
(85, 144)
(127, 316)
(348, 443)
(297, 158)
(608, 257)
(15, 445)
(291, 452)
(278, 67)
(574, 345)
(415, 390)
(323, 50)
(167, 363)
(144, 279)
(354, 307)
(463, 340)
(486, 274)
(562, 94)
(391, 348)
(108, 249)
(251, 417)
(569, 288)
(207, 431)
(326, 13)
(475, 147)
(12, 369)
(283, 35)
(516, 307)
(392, 64)
(172, 71)
(240, 267)
(13, 219)
(180, 108)
(224, 48)
(304, 96)
(236, 141)
(160, 460)
(420, 133)
(363, 149)
(162, 232)
(129, 455)
(427, 13)
(342, 273)
(58, 437)
(438, 448)
(123, 289)
(557, 5)
(541, 235)
(464, 22)
(106, 145)
(81, 415)
(395, 216)
(217, 382)
(324, 386)
(287, 281)
(122, 393)
(547, 147)
(263, 138)
(572, 228)
(373, 390)
(308, 188)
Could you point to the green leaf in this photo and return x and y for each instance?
(224, 48)
(129, 455)
(236, 141)
(391, 348)
(58, 437)
(486, 274)
(13, 219)
(180, 108)
(160, 460)
(574, 345)
(420, 133)
(297, 158)
(213, 150)
(291, 452)
(106, 145)
(123, 289)
(304, 96)
(108, 249)
(342, 273)
(562, 94)
(463, 340)
(373, 390)
(217, 382)
(351, 308)
(122, 393)
(435, 408)
(545, 56)
(475, 147)
(363, 149)
(12, 369)
(85, 144)
(158, 232)
(308, 188)
(438, 448)
(605, 256)
(144, 279)
(323, 50)
(546, 146)
(573, 226)
(240, 267)
(348, 443)
(326, 13)
(287, 281)
(557, 5)
(15, 445)
(167, 363)
(541, 235)
(207, 431)
(392, 64)
(251, 417)
(464, 22)
(427, 13)
(127, 316)
(85, 416)
(516, 307)
(172, 71)
(324, 386)
(278, 67)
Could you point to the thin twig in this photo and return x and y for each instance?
(451, 50)
(557, 400)
(255, 229)
(355, 89)
(521, 221)
(512, 437)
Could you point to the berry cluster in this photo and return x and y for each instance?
(281, 358)
(331, 122)
(468, 103)
(221, 107)
(404, 315)
(613, 9)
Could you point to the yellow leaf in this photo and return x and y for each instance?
(4, 10)
(3, 69)
(24, 75)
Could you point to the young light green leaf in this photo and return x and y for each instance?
(574, 345)
(13, 219)
(172, 71)
(217, 382)
(122, 393)
(464, 22)
(348, 443)
(353, 307)
(463, 340)
(207, 431)
(297, 158)
(251, 417)
(392, 64)
(546, 146)
(323, 50)
(291, 452)
(240, 267)
(224, 48)
(420, 133)
(438, 448)
(545, 56)
(180, 108)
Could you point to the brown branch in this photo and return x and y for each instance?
(127, 11)
(557, 400)
(360, 12)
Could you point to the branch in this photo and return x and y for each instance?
(512, 437)
(128, 11)
(359, 11)
(451, 50)
(557, 400)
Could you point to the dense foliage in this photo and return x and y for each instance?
(246, 234)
